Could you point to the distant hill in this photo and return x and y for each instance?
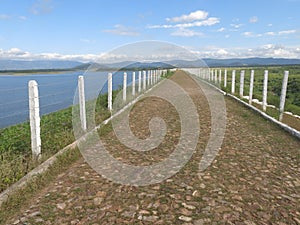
(37, 64)
(6, 65)
(251, 62)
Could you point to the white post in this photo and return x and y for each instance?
(34, 115)
(144, 80)
(151, 77)
(233, 82)
(216, 76)
(124, 86)
(242, 78)
(225, 78)
(209, 74)
(148, 83)
(133, 83)
(82, 102)
(283, 94)
(265, 91)
(220, 77)
(140, 81)
(251, 87)
(109, 92)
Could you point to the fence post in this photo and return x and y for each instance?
(251, 87)
(216, 76)
(265, 91)
(124, 86)
(109, 100)
(144, 80)
(283, 94)
(148, 83)
(233, 82)
(82, 102)
(220, 77)
(242, 78)
(225, 78)
(140, 81)
(34, 115)
(133, 83)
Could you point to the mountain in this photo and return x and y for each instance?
(37, 64)
(74, 65)
(251, 62)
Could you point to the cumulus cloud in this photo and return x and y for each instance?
(122, 30)
(194, 19)
(197, 15)
(208, 22)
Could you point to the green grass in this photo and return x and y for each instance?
(56, 133)
(274, 84)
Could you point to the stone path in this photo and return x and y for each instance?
(255, 178)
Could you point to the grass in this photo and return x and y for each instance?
(56, 133)
(274, 85)
(15, 202)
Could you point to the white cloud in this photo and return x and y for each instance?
(269, 50)
(208, 22)
(221, 29)
(284, 32)
(270, 33)
(253, 19)
(122, 30)
(247, 34)
(236, 26)
(183, 32)
(197, 15)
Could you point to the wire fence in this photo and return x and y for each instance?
(56, 100)
(276, 91)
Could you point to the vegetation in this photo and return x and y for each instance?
(274, 84)
(56, 133)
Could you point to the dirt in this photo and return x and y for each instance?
(255, 178)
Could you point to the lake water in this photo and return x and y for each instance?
(56, 91)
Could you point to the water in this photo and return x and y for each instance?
(56, 92)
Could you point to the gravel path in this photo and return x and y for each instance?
(255, 178)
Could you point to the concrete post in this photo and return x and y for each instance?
(265, 91)
(133, 83)
(34, 116)
(81, 94)
(144, 80)
(233, 82)
(242, 79)
(109, 92)
(225, 78)
(124, 86)
(283, 94)
(140, 81)
(251, 87)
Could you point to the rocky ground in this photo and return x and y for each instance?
(255, 178)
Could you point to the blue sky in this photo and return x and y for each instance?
(81, 30)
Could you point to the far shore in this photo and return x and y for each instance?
(30, 72)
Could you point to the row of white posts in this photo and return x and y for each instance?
(149, 79)
(215, 76)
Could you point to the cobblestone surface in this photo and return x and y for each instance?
(255, 178)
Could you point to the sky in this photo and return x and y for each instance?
(83, 30)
